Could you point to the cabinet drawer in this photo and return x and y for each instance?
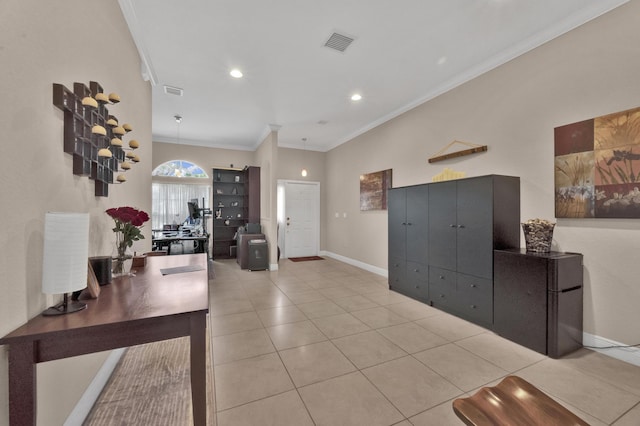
(417, 272)
(476, 311)
(442, 287)
(418, 280)
(440, 275)
(441, 295)
(397, 272)
(475, 298)
(474, 286)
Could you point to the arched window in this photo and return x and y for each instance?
(179, 168)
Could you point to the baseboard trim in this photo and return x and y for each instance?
(353, 262)
(84, 405)
(630, 355)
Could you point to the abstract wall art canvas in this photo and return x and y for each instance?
(597, 167)
(373, 190)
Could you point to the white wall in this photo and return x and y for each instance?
(42, 43)
(591, 71)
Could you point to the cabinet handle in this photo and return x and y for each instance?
(416, 270)
(442, 296)
(460, 226)
(452, 226)
(417, 286)
(473, 306)
(409, 223)
(472, 285)
(441, 277)
(404, 223)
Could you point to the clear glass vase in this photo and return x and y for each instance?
(122, 258)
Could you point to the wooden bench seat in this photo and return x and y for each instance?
(513, 401)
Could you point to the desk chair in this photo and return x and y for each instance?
(513, 401)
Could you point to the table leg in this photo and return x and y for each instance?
(199, 369)
(22, 384)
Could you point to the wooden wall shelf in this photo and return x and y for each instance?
(81, 142)
(440, 156)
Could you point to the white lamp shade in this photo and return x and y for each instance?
(66, 252)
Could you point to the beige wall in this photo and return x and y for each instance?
(207, 158)
(588, 72)
(290, 164)
(266, 157)
(42, 43)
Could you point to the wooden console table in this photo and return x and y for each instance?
(130, 311)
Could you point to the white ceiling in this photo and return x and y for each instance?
(405, 52)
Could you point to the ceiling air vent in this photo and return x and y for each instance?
(170, 90)
(338, 42)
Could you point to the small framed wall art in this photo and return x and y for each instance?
(373, 190)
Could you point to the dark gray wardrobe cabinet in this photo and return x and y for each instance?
(408, 226)
(465, 221)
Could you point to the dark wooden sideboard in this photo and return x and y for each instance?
(144, 308)
(538, 300)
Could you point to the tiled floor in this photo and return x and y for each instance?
(325, 343)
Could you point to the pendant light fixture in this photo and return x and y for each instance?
(178, 170)
(304, 170)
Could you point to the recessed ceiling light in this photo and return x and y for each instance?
(236, 73)
(442, 60)
(356, 97)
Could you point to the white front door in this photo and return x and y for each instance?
(301, 221)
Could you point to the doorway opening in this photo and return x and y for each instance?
(298, 218)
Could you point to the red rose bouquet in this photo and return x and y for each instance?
(128, 224)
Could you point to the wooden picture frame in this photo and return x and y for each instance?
(93, 286)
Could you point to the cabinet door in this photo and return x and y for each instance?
(520, 299)
(397, 218)
(474, 246)
(442, 225)
(417, 223)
